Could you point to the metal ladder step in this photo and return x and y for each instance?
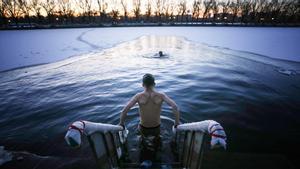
(174, 165)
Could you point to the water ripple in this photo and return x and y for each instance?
(241, 90)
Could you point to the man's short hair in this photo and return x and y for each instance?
(148, 80)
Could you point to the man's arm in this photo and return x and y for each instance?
(175, 109)
(129, 105)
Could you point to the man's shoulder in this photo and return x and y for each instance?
(141, 94)
(161, 94)
(138, 94)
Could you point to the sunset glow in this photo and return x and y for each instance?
(20, 8)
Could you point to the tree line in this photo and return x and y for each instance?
(98, 12)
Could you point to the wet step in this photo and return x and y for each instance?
(174, 165)
(226, 160)
(163, 155)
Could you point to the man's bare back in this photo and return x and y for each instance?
(150, 108)
(150, 103)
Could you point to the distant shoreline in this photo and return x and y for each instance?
(32, 27)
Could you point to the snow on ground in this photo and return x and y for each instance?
(30, 47)
(5, 156)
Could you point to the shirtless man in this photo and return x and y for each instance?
(150, 102)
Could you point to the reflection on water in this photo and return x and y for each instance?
(252, 96)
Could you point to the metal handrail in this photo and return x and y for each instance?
(190, 148)
(107, 141)
(191, 151)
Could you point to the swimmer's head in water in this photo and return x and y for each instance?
(160, 53)
(148, 80)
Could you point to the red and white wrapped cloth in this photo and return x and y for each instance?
(211, 127)
(78, 128)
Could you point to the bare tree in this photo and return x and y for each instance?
(252, 10)
(295, 11)
(2, 13)
(196, 9)
(242, 11)
(65, 9)
(172, 9)
(245, 10)
(235, 8)
(125, 9)
(49, 7)
(86, 8)
(36, 9)
(207, 4)
(166, 9)
(182, 9)
(158, 9)
(148, 10)
(291, 11)
(114, 11)
(225, 8)
(26, 9)
(102, 7)
(137, 9)
(13, 10)
(276, 6)
(285, 11)
(215, 9)
(262, 7)
(89, 11)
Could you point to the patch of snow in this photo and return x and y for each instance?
(31, 47)
(5, 156)
(287, 72)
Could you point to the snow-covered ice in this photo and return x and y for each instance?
(5, 156)
(31, 47)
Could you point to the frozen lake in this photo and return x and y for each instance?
(254, 97)
(31, 47)
(248, 79)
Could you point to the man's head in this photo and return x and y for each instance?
(148, 80)
(160, 53)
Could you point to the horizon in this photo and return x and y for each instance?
(116, 8)
(227, 76)
(239, 77)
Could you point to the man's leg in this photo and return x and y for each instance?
(150, 143)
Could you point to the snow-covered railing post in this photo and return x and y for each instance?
(106, 141)
(189, 138)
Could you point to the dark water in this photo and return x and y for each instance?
(257, 99)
